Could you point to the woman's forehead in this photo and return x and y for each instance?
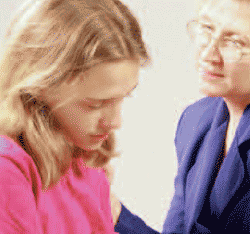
(225, 6)
(227, 13)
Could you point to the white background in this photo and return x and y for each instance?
(144, 179)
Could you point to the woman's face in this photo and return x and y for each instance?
(225, 18)
(95, 110)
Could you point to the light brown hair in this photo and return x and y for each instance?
(49, 43)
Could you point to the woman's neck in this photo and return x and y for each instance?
(236, 107)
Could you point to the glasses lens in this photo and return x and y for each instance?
(201, 36)
(230, 53)
(197, 34)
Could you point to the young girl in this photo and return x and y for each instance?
(65, 71)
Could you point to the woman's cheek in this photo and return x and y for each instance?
(197, 57)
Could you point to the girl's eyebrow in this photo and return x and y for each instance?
(106, 99)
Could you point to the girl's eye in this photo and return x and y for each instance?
(95, 107)
(99, 106)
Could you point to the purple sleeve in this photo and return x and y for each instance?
(174, 222)
(129, 223)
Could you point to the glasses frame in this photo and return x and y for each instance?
(242, 53)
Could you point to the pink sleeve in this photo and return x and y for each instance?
(17, 201)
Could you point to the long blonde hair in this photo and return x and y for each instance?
(49, 43)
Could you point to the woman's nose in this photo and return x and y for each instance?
(211, 52)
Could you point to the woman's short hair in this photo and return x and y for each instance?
(48, 44)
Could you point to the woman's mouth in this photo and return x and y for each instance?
(206, 75)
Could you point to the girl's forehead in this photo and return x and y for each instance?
(105, 81)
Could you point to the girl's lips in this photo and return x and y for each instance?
(100, 137)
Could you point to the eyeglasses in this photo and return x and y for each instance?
(230, 47)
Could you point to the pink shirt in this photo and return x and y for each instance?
(73, 206)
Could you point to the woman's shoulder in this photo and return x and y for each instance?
(203, 109)
(205, 104)
(198, 117)
(16, 162)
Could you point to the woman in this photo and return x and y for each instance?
(65, 71)
(212, 190)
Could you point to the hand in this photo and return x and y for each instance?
(116, 206)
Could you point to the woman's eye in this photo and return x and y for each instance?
(205, 27)
(239, 43)
(232, 42)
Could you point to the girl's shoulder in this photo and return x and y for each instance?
(18, 175)
(95, 176)
(15, 162)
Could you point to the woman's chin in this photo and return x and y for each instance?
(212, 91)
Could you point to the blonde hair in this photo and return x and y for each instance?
(49, 43)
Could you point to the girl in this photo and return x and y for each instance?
(65, 71)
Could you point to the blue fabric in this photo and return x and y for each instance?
(199, 140)
(131, 224)
(207, 215)
(212, 193)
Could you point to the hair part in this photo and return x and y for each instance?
(49, 44)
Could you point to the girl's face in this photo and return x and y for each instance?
(227, 20)
(95, 110)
